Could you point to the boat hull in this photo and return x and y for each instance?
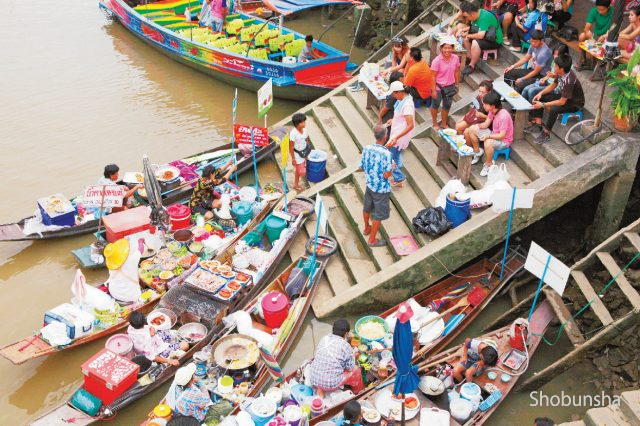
(321, 75)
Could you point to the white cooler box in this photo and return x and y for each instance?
(78, 322)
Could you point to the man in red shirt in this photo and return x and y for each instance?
(419, 79)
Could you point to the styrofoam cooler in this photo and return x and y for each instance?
(77, 321)
(65, 218)
(121, 224)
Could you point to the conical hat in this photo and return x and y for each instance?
(115, 254)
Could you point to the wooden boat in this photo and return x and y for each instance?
(483, 274)
(245, 65)
(297, 314)
(14, 231)
(35, 347)
(540, 320)
(189, 306)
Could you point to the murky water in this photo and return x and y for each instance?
(76, 92)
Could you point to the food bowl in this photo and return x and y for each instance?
(183, 235)
(167, 173)
(492, 375)
(372, 333)
(162, 410)
(165, 275)
(196, 247)
(193, 332)
(505, 377)
(169, 319)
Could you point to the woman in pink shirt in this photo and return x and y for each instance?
(501, 135)
(446, 69)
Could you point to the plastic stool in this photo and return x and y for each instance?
(506, 152)
(567, 115)
(486, 53)
(524, 46)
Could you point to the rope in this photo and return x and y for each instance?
(356, 33)
(606, 287)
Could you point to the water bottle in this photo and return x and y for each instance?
(460, 41)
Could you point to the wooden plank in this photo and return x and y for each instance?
(609, 262)
(588, 291)
(563, 314)
(634, 239)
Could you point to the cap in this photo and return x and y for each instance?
(404, 312)
(448, 40)
(184, 374)
(396, 86)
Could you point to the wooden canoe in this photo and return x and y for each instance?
(262, 376)
(484, 274)
(66, 413)
(35, 347)
(540, 320)
(14, 231)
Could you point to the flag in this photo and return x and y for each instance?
(284, 150)
(272, 365)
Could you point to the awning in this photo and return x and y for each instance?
(286, 7)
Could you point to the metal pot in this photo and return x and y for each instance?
(432, 386)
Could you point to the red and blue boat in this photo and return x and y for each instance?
(248, 53)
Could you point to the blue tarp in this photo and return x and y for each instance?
(286, 7)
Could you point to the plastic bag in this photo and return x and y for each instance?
(497, 173)
(454, 186)
(295, 283)
(431, 221)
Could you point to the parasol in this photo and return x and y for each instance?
(159, 216)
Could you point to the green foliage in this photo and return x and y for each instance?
(625, 97)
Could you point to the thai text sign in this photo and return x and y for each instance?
(106, 196)
(242, 134)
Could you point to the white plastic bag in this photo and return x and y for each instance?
(497, 173)
(454, 186)
(481, 197)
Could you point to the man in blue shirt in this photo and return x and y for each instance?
(377, 165)
(540, 59)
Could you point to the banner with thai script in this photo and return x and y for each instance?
(107, 196)
(242, 135)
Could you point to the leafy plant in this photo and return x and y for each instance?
(625, 97)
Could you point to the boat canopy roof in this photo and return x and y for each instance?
(287, 7)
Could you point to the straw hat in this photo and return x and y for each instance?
(115, 254)
(184, 374)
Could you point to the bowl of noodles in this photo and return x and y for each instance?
(371, 328)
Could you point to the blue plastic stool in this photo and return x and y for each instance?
(567, 115)
(506, 152)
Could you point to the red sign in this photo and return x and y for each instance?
(242, 134)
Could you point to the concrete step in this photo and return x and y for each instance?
(529, 160)
(351, 203)
(426, 150)
(614, 270)
(337, 135)
(576, 423)
(474, 79)
(359, 129)
(290, 171)
(319, 141)
(561, 131)
(404, 205)
(630, 405)
(336, 270)
(598, 307)
(495, 69)
(359, 100)
(424, 185)
(425, 27)
(611, 415)
(357, 257)
(555, 151)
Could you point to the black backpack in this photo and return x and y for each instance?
(568, 33)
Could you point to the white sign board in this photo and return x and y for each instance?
(93, 196)
(557, 273)
(502, 199)
(265, 98)
(322, 215)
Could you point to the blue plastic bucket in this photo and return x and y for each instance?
(458, 212)
(316, 166)
(262, 410)
(242, 211)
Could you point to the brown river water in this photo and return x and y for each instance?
(76, 92)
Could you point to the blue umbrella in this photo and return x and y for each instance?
(407, 375)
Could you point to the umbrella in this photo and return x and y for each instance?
(407, 374)
(159, 216)
(271, 363)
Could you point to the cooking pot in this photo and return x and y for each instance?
(431, 386)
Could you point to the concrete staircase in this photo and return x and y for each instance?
(625, 414)
(360, 277)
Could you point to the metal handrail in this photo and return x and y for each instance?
(402, 32)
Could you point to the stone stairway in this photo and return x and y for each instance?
(625, 414)
(360, 277)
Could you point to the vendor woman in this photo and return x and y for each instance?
(477, 355)
(204, 198)
(334, 363)
(188, 396)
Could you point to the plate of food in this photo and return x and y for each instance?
(225, 294)
(234, 285)
(160, 320)
(390, 406)
(449, 132)
(209, 265)
(465, 149)
(133, 178)
(513, 94)
(228, 274)
(166, 275)
(167, 173)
